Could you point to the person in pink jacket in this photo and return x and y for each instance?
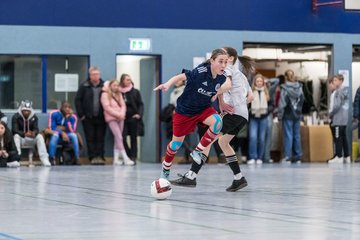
(114, 111)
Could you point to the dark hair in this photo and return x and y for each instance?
(232, 53)
(215, 53)
(247, 65)
(6, 133)
(122, 78)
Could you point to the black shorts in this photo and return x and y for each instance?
(232, 124)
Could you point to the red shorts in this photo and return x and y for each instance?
(183, 125)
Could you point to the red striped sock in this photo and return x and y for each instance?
(169, 157)
(208, 137)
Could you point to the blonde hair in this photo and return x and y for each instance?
(109, 91)
(266, 90)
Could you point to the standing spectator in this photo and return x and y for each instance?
(62, 125)
(261, 106)
(26, 131)
(289, 112)
(90, 112)
(356, 113)
(339, 115)
(9, 156)
(272, 85)
(134, 113)
(114, 111)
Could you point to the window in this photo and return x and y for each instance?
(21, 77)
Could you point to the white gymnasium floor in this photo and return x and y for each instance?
(307, 201)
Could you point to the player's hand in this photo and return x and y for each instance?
(163, 87)
(224, 107)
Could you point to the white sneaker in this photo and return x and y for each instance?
(129, 162)
(251, 161)
(336, 159)
(347, 160)
(118, 162)
(259, 161)
(13, 164)
(285, 160)
(46, 163)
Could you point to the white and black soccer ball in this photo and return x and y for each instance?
(161, 189)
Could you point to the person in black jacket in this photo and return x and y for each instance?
(9, 156)
(91, 113)
(134, 113)
(26, 131)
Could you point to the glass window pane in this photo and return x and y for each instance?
(20, 78)
(62, 65)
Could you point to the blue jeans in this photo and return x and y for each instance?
(257, 131)
(54, 140)
(292, 139)
(268, 137)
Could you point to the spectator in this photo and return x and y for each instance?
(90, 112)
(134, 113)
(9, 156)
(261, 106)
(272, 85)
(356, 113)
(62, 127)
(289, 112)
(339, 115)
(114, 111)
(26, 131)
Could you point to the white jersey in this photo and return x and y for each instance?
(237, 95)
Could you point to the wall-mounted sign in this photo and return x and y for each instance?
(352, 4)
(140, 44)
(66, 82)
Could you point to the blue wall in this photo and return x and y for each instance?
(254, 15)
(176, 47)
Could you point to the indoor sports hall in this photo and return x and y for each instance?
(73, 57)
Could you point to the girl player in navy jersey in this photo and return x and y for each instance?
(235, 103)
(194, 105)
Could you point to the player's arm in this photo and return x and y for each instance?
(224, 107)
(170, 82)
(226, 86)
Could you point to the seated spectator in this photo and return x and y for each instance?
(62, 128)
(9, 156)
(26, 131)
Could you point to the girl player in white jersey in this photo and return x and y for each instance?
(234, 102)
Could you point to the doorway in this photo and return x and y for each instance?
(145, 71)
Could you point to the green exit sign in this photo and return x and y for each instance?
(140, 44)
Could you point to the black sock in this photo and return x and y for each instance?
(233, 164)
(195, 167)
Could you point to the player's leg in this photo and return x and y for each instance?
(171, 150)
(189, 178)
(231, 158)
(214, 122)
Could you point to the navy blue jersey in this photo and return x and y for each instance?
(199, 88)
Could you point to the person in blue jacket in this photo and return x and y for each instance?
(62, 125)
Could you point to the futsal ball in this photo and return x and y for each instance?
(161, 189)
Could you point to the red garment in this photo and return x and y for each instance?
(183, 125)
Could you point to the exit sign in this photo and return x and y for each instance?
(140, 44)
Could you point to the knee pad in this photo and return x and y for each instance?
(175, 145)
(218, 124)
